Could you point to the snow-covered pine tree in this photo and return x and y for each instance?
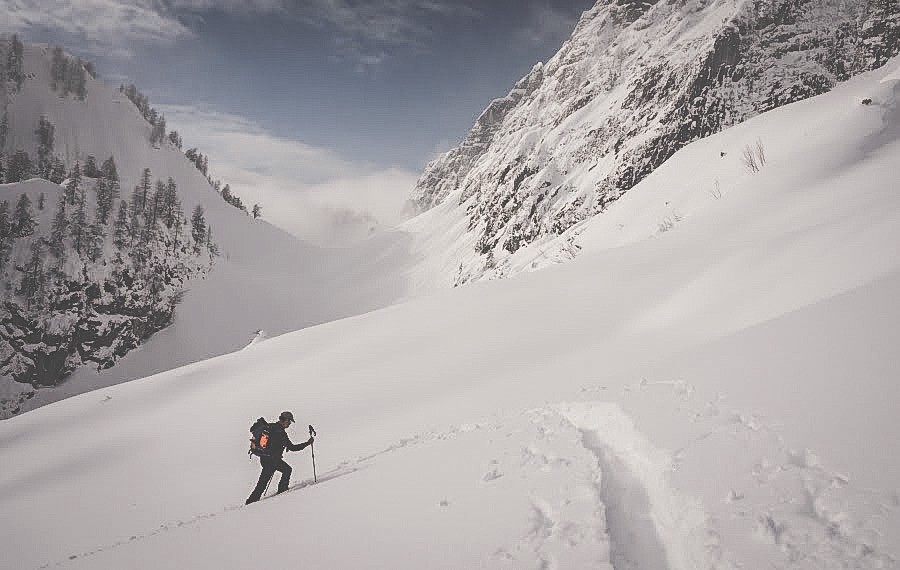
(59, 229)
(121, 227)
(57, 171)
(33, 278)
(175, 139)
(107, 190)
(102, 202)
(5, 233)
(15, 60)
(109, 171)
(134, 211)
(257, 211)
(154, 210)
(19, 167)
(74, 183)
(158, 132)
(76, 80)
(45, 134)
(79, 226)
(4, 129)
(58, 68)
(96, 236)
(198, 228)
(23, 217)
(90, 167)
(170, 203)
(145, 185)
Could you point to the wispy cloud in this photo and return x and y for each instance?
(97, 22)
(364, 31)
(309, 191)
(547, 24)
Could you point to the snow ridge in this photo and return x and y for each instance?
(636, 82)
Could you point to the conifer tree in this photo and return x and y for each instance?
(19, 167)
(95, 238)
(5, 233)
(2, 170)
(109, 171)
(57, 171)
(211, 246)
(175, 139)
(107, 190)
(58, 230)
(74, 185)
(33, 276)
(4, 129)
(158, 132)
(179, 222)
(104, 204)
(155, 208)
(170, 203)
(79, 226)
(257, 211)
(121, 227)
(58, 68)
(76, 80)
(90, 167)
(45, 135)
(145, 186)
(15, 59)
(198, 228)
(23, 217)
(134, 221)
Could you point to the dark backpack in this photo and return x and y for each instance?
(261, 436)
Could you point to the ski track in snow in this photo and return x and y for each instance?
(601, 494)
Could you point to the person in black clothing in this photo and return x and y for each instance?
(278, 442)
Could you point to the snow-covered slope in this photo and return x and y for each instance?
(265, 279)
(718, 395)
(637, 81)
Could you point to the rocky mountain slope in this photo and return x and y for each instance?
(75, 304)
(637, 81)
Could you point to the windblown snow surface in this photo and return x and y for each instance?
(721, 394)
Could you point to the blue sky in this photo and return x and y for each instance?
(349, 88)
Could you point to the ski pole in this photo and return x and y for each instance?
(312, 446)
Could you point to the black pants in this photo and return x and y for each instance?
(269, 466)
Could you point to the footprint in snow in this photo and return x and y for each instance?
(494, 473)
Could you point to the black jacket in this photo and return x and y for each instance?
(279, 441)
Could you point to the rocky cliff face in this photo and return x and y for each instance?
(637, 81)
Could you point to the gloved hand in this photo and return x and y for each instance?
(310, 440)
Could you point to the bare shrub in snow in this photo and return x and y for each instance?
(754, 157)
(760, 153)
